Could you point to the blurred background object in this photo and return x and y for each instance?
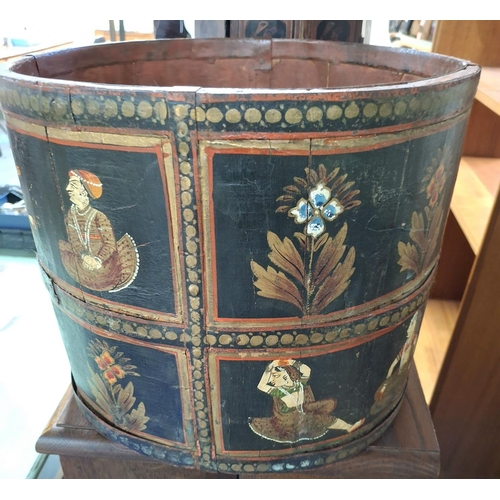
(340, 31)
(170, 29)
(412, 34)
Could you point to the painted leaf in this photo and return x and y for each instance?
(352, 204)
(322, 172)
(100, 392)
(417, 231)
(332, 175)
(300, 182)
(302, 239)
(285, 197)
(285, 256)
(283, 209)
(428, 213)
(330, 256)
(129, 369)
(275, 285)
(137, 419)
(338, 183)
(335, 284)
(409, 257)
(311, 176)
(320, 242)
(344, 188)
(126, 398)
(433, 235)
(426, 178)
(292, 189)
(349, 196)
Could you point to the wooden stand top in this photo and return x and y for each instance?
(408, 449)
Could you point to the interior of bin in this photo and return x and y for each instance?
(225, 63)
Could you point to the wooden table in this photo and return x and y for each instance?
(408, 449)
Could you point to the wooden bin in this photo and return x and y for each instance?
(239, 236)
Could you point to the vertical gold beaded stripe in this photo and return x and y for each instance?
(182, 123)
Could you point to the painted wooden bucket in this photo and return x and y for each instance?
(239, 236)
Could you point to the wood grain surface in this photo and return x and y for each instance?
(466, 401)
(474, 195)
(472, 40)
(455, 263)
(433, 341)
(488, 91)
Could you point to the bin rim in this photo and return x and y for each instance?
(464, 70)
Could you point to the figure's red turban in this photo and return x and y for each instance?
(90, 182)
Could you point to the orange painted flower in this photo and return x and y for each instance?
(432, 192)
(440, 177)
(106, 357)
(110, 377)
(112, 371)
(118, 371)
(100, 363)
(104, 360)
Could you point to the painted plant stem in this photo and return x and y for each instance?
(310, 282)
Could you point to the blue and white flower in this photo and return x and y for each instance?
(316, 210)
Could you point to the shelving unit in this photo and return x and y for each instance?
(465, 308)
(488, 92)
(474, 195)
(435, 335)
(470, 210)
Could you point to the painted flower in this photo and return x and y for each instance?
(104, 360)
(113, 373)
(436, 185)
(106, 357)
(118, 371)
(316, 210)
(110, 377)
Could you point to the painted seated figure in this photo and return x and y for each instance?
(296, 415)
(92, 256)
(392, 388)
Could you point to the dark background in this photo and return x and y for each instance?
(157, 386)
(132, 199)
(245, 190)
(351, 377)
